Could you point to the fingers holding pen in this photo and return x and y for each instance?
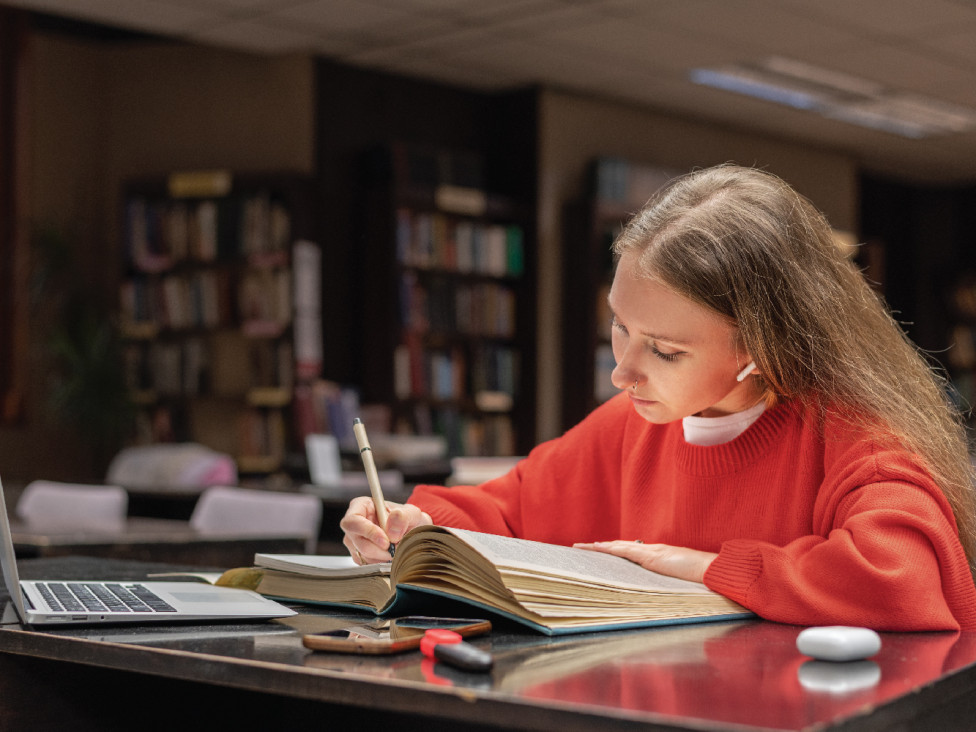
(366, 540)
(402, 518)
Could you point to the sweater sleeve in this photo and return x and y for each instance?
(566, 490)
(491, 507)
(884, 554)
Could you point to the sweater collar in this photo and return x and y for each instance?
(732, 456)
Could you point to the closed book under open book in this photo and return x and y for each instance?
(553, 589)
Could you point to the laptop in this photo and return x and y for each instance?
(80, 602)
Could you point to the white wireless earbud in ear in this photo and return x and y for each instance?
(746, 371)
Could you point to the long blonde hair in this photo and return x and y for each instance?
(745, 244)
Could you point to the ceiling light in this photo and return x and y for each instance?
(830, 80)
(753, 84)
(839, 96)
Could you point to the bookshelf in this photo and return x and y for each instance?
(615, 189)
(960, 356)
(220, 310)
(449, 302)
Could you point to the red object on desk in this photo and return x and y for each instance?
(446, 645)
(434, 637)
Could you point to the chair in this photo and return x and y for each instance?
(223, 509)
(171, 465)
(72, 505)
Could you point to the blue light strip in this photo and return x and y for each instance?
(754, 88)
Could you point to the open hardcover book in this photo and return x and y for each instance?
(553, 589)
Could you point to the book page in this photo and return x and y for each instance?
(581, 564)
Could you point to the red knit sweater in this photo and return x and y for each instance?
(812, 525)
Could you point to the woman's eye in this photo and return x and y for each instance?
(616, 325)
(664, 356)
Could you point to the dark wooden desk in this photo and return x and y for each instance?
(722, 676)
(158, 540)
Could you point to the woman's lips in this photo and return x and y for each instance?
(638, 401)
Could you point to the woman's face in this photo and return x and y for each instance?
(682, 356)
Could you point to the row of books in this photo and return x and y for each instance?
(167, 369)
(161, 233)
(202, 299)
(264, 298)
(446, 306)
(441, 241)
(465, 433)
(453, 373)
(185, 368)
(271, 365)
(261, 299)
(262, 434)
(263, 440)
(327, 407)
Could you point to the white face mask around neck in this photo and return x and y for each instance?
(708, 431)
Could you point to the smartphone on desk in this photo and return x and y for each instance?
(390, 636)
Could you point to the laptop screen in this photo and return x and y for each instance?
(8, 560)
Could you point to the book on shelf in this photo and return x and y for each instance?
(327, 407)
(427, 240)
(263, 440)
(162, 231)
(552, 589)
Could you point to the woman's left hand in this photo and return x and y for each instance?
(674, 561)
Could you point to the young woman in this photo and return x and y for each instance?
(777, 438)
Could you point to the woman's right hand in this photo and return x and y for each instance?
(365, 540)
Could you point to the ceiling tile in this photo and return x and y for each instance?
(881, 17)
(342, 15)
(631, 50)
(259, 37)
(901, 67)
(229, 7)
(613, 39)
(762, 26)
(361, 23)
(956, 44)
(143, 15)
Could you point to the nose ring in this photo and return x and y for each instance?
(634, 387)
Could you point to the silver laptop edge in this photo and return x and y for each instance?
(223, 603)
(8, 560)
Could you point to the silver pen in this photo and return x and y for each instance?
(372, 476)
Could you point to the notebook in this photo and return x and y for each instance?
(80, 602)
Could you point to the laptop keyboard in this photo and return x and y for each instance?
(102, 597)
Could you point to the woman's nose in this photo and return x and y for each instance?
(624, 376)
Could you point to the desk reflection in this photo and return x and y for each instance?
(717, 676)
(741, 672)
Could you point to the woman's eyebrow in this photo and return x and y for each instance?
(657, 336)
